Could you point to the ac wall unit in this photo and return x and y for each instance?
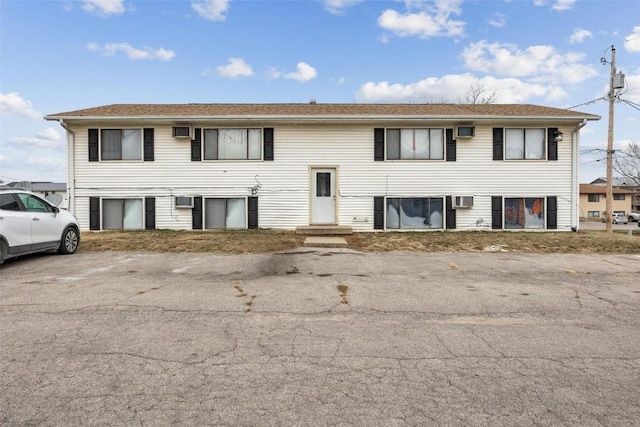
(182, 132)
(462, 202)
(184, 202)
(464, 131)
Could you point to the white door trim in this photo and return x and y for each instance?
(323, 209)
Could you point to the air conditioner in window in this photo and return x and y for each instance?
(462, 202)
(184, 202)
(464, 131)
(182, 132)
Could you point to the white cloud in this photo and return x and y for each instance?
(632, 41)
(110, 49)
(48, 139)
(211, 10)
(539, 63)
(304, 73)
(558, 5)
(337, 7)
(235, 68)
(103, 7)
(579, 35)
(498, 20)
(453, 87)
(431, 19)
(561, 5)
(13, 103)
(633, 85)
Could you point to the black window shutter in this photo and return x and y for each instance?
(253, 213)
(451, 214)
(148, 144)
(498, 141)
(552, 212)
(94, 213)
(378, 213)
(552, 144)
(451, 147)
(149, 213)
(268, 143)
(196, 146)
(496, 212)
(93, 145)
(378, 144)
(196, 213)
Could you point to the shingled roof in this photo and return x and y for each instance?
(310, 110)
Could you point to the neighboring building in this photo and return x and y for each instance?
(625, 184)
(363, 166)
(593, 201)
(47, 189)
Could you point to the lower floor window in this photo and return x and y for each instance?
(594, 214)
(122, 214)
(414, 213)
(225, 213)
(524, 213)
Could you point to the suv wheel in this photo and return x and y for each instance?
(69, 241)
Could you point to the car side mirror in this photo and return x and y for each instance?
(56, 209)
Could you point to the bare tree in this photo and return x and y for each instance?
(627, 162)
(477, 94)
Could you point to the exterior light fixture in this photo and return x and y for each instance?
(558, 136)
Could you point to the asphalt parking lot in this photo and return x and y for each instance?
(320, 337)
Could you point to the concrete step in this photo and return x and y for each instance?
(324, 242)
(324, 230)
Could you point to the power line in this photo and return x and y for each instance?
(587, 103)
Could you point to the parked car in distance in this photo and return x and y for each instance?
(634, 216)
(617, 218)
(30, 224)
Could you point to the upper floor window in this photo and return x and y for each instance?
(121, 144)
(525, 144)
(594, 197)
(618, 197)
(232, 144)
(415, 144)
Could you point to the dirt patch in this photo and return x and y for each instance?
(269, 241)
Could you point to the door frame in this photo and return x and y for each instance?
(312, 169)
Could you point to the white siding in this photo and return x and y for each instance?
(284, 193)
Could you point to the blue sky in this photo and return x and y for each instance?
(59, 56)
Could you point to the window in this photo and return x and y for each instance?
(594, 197)
(414, 213)
(121, 144)
(618, 197)
(523, 213)
(225, 213)
(122, 214)
(232, 144)
(8, 202)
(525, 144)
(594, 214)
(33, 204)
(415, 144)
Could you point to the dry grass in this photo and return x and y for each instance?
(265, 241)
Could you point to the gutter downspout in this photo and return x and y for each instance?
(575, 184)
(71, 174)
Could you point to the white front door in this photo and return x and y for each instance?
(323, 196)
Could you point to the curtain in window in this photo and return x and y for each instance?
(524, 213)
(414, 213)
(236, 216)
(436, 144)
(514, 144)
(232, 144)
(132, 218)
(131, 144)
(534, 143)
(393, 144)
(255, 141)
(112, 214)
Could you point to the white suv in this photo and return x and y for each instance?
(31, 224)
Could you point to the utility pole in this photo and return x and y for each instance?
(609, 189)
